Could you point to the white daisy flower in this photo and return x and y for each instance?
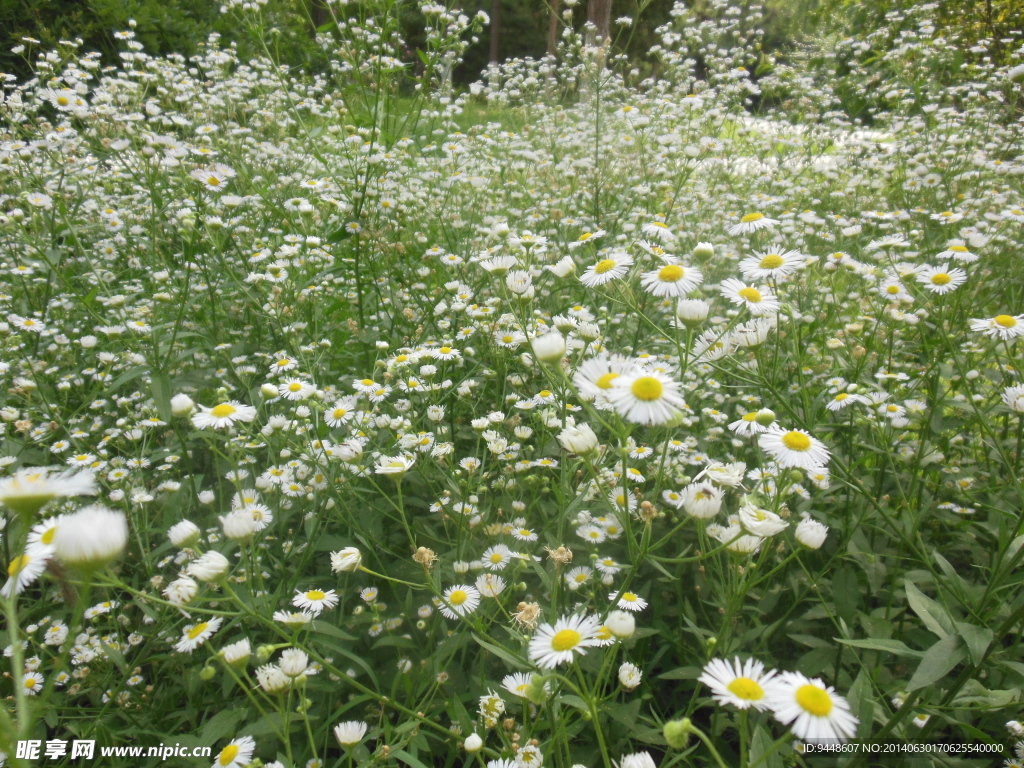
(197, 634)
(236, 754)
(794, 448)
(459, 600)
(628, 601)
(559, 644)
(811, 709)
(223, 415)
(315, 600)
(741, 684)
(644, 397)
(759, 301)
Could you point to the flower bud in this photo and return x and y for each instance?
(549, 348)
(677, 733)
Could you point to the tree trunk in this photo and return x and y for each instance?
(495, 31)
(599, 13)
(553, 27)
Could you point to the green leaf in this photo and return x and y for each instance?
(681, 673)
(937, 662)
(974, 694)
(760, 745)
(845, 592)
(221, 725)
(931, 613)
(161, 386)
(895, 647)
(329, 629)
(575, 701)
(626, 714)
(408, 759)
(978, 640)
(501, 653)
(129, 375)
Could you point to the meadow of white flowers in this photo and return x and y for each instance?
(577, 420)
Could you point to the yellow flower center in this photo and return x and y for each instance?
(30, 682)
(585, 236)
(752, 416)
(315, 594)
(581, 578)
(958, 248)
(545, 393)
(458, 597)
(941, 278)
(672, 273)
(647, 388)
(752, 217)
(222, 411)
(771, 261)
(892, 290)
(497, 558)
(629, 597)
(213, 181)
(745, 688)
(796, 441)
(197, 630)
(605, 265)
(367, 382)
(566, 640)
(750, 294)
(605, 382)
(294, 386)
(47, 537)
(815, 700)
(1006, 321)
(603, 633)
(445, 350)
(228, 754)
(17, 564)
(842, 396)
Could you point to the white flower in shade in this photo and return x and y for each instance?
(209, 567)
(345, 560)
(315, 600)
(549, 348)
(941, 280)
(237, 653)
(490, 584)
(473, 743)
(293, 662)
(658, 230)
(460, 600)
(629, 675)
(752, 222)
(223, 415)
(27, 490)
(620, 624)
(236, 754)
(559, 644)
(671, 280)
(1003, 327)
(184, 533)
(580, 439)
(182, 405)
(1013, 397)
(350, 732)
(23, 570)
(703, 251)
(294, 619)
(181, 590)
(742, 684)
(91, 537)
(636, 760)
(702, 500)
(272, 679)
(628, 601)
(564, 267)
(197, 634)
(396, 466)
(613, 266)
(793, 448)
(760, 522)
(646, 397)
(239, 525)
(811, 709)
(758, 300)
(811, 533)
